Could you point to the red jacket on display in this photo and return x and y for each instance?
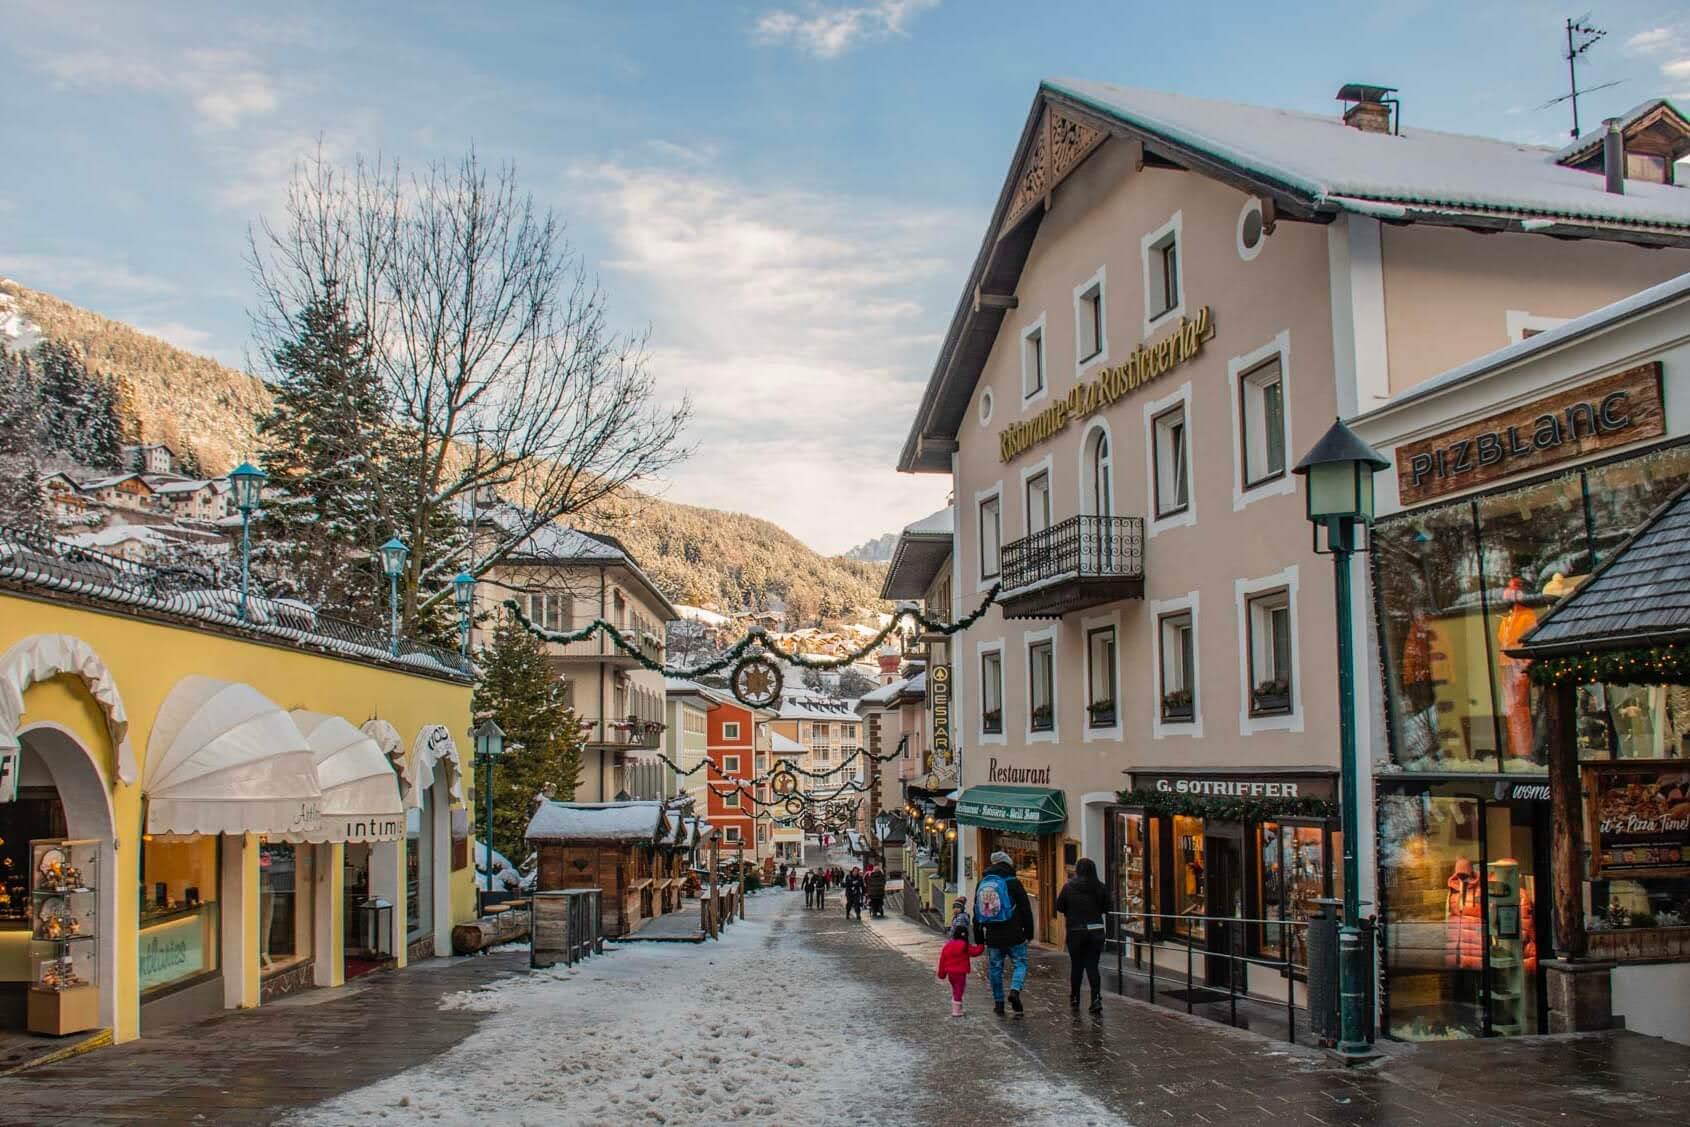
(1464, 921)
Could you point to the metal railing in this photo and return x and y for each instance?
(564, 927)
(1149, 938)
(53, 565)
(1080, 547)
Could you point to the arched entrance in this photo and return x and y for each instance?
(62, 795)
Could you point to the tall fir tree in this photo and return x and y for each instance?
(22, 504)
(78, 408)
(521, 693)
(323, 514)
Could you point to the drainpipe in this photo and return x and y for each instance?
(604, 705)
(1613, 156)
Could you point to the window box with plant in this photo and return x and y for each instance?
(1102, 713)
(1271, 696)
(1178, 706)
(992, 722)
(1043, 718)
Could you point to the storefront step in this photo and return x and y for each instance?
(20, 1052)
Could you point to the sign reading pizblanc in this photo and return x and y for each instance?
(1612, 411)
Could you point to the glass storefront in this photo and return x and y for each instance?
(284, 905)
(419, 864)
(1136, 863)
(35, 814)
(1457, 584)
(1189, 887)
(179, 917)
(1292, 873)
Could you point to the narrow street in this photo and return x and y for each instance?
(799, 1018)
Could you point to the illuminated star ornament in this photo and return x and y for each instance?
(757, 682)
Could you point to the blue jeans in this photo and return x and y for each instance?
(1017, 955)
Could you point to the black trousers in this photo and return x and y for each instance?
(852, 904)
(876, 904)
(1085, 948)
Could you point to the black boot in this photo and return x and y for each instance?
(1074, 1000)
(997, 1007)
(1096, 1003)
(1015, 1000)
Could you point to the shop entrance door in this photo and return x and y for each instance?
(1226, 899)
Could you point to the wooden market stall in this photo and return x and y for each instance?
(636, 853)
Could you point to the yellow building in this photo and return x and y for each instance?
(198, 813)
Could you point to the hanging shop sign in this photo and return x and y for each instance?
(939, 701)
(1612, 411)
(1235, 786)
(1147, 362)
(1642, 818)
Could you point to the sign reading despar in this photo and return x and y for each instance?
(1612, 411)
(939, 698)
(1642, 820)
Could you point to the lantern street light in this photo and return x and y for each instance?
(246, 482)
(393, 557)
(1340, 472)
(489, 746)
(463, 593)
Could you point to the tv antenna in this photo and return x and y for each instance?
(1581, 37)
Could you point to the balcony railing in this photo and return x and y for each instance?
(1080, 562)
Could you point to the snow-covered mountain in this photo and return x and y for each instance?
(877, 550)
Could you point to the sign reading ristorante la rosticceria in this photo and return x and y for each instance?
(1145, 364)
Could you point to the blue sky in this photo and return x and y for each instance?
(786, 192)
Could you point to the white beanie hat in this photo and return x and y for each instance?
(1001, 858)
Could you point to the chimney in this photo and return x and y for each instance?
(1613, 156)
(1368, 107)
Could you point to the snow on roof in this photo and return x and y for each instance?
(116, 534)
(1593, 138)
(942, 522)
(783, 745)
(1671, 290)
(172, 486)
(917, 685)
(699, 614)
(1319, 156)
(108, 482)
(885, 694)
(596, 821)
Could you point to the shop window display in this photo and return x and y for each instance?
(179, 918)
(1137, 867)
(284, 905)
(1293, 874)
(36, 813)
(419, 854)
(1190, 889)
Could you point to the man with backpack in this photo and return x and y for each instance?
(1003, 923)
(874, 887)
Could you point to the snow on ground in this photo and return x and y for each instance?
(745, 1029)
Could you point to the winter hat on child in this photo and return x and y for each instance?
(1001, 858)
(959, 930)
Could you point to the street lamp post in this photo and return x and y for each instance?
(1340, 472)
(246, 482)
(463, 593)
(393, 557)
(489, 746)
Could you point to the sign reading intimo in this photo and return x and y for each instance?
(1145, 364)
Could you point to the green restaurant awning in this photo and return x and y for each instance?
(1028, 810)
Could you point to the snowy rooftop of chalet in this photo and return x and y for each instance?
(595, 821)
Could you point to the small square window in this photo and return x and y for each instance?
(1173, 463)
(1164, 275)
(1269, 621)
(1100, 678)
(731, 799)
(730, 729)
(1033, 361)
(1261, 393)
(730, 834)
(1038, 502)
(991, 537)
(1179, 669)
(991, 692)
(1089, 323)
(730, 764)
(1041, 674)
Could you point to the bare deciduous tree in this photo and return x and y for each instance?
(493, 342)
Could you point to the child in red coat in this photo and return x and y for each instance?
(954, 963)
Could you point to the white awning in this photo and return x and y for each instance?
(360, 790)
(434, 751)
(224, 758)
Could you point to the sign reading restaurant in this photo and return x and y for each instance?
(1612, 411)
(1145, 364)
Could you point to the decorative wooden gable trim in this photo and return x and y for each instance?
(1060, 144)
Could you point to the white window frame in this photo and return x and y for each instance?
(1043, 390)
(1175, 227)
(1088, 491)
(1236, 368)
(1051, 634)
(1251, 206)
(1028, 473)
(730, 730)
(730, 800)
(984, 406)
(730, 765)
(983, 582)
(730, 835)
(1110, 621)
(999, 737)
(1518, 321)
(1160, 609)
(1180, 397)
(1244, 590)
(1099, 282)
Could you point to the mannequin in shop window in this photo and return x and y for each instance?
(1464, 921)
(1516, 685)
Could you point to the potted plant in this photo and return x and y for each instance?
(1102, 713)
(1271, 696)
(1043, 718)
(992, 721)
(1177, 705)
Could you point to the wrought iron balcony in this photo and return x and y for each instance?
(1080, 562)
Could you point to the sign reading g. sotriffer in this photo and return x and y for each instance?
(1612, 411)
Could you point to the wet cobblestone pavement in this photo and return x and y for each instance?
(1137, 1063)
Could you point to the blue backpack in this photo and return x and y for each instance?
(992, 902)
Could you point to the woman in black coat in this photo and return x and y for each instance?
(1085, 902)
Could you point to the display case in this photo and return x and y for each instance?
(64, 941)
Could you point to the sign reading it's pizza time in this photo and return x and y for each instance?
(1641, 815)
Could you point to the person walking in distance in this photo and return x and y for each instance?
(854, 894)
(1083, 901)
(809, 890)
(821, 890)
(874, 887)
(1003, 923)
(955, 962)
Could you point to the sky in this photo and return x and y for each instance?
(785, 194)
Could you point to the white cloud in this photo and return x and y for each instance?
(803, 324)
(222, 87)
(185, 337)
(57, 273)
(1654, 39)
(829, 30)
(1671, 46)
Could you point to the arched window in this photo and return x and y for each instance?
(1100, 489)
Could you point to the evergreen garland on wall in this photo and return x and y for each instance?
(1228, 809)
(1652, 665)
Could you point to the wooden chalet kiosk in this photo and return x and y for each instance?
(638, 854)
(1614, 659)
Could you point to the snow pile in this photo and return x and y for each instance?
(17, 332)
(699, 614)
(505, 876)
(595, 821)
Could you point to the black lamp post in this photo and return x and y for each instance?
(1340, 472)
(463, 593)
(246, 482)
(394, 553)
(489, 746)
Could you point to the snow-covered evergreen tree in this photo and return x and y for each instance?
(22, 505)
(78, 408)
